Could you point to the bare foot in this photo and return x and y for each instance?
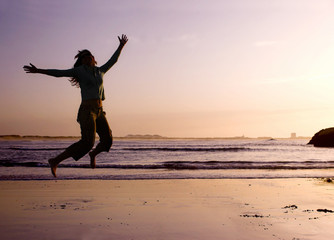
(53, 166)
(92, 160)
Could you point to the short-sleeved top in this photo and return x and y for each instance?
(89, 78)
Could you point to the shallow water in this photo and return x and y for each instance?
(160, 159)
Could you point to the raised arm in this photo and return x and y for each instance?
(122, 41)
(50, 72)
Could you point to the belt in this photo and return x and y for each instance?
(92, 102)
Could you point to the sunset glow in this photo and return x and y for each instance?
(190, 69)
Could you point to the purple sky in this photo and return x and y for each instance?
(190, 69)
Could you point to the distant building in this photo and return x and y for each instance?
(293, 135)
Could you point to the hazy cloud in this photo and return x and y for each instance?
(265, 43)
(190, 40)
(317, 79)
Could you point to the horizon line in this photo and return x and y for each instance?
(143, 136)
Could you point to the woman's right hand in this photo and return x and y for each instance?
(30, 69)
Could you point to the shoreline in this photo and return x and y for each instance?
(294, 208)
(105, 174)
(324, 179)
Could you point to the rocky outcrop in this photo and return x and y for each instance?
(323, 138)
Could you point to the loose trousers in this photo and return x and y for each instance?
(92, 120)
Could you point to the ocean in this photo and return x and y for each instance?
(171, 159)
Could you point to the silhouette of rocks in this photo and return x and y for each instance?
(323, 138)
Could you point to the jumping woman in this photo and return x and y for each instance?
(91, 117)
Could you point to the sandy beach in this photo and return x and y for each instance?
(167, 209)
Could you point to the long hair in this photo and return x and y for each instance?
(74, 81)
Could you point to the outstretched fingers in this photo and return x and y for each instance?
(123, 39)
(30, 69)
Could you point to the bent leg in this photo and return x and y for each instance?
(88, 131)
(106, 140)
(79, 149)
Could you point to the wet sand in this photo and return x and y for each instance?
(167, 209)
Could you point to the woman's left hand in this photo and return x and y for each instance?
(123, 39)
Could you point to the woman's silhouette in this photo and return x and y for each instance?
(91, 117)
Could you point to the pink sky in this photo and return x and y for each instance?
(190, 69)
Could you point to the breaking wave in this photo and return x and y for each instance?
(192, 165)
